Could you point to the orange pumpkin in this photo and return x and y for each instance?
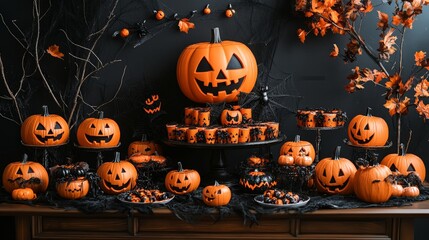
(98, 132)
(297, 149)
(368, 130)
(45, 129)
(73, 189)
(159, 14)
(182, 181)
(397, 189)
(216, 195)
(144, 147)
(117, 176)
(372, 185)
(405, 163)
(25, 174)
(411, 191)
(335, 175)
(257, 181)
(216, 71)
(231, 117)
(124, 32)
(23, 194)
(207, 9)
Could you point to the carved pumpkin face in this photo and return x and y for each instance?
(182, 181)
(231, 117)
(204, 118)
(368, 130)
(25, 174)
(210, 135)
(117, 176)
(405, 163)
(257, 181)
(217, 71)
(45, 130)
(144, 147)
(335, 175)
(98, 132)
(233, 134)
(298, 149)
(373, 187)
(152, 105)
(74, 189)
(216, 195)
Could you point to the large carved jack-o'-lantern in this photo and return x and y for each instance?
(335, 175)
(368, 130)
(117, 176)
(216, 71)
(98, 132)
(45, 129)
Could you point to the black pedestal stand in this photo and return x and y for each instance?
(364, 151)
(45, 161)
(319, 138)
(99, 151)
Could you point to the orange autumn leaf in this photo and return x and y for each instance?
(394, 81)
(423, 109)
(391, 105)
(300, 5)
(383, 20)
(396, 20)
(419, 57)
(335, 51)
(185, 25)
(421, 89)
(54, 51)
(301, 34)
(395, 106)
(378, 75)
(317, 6)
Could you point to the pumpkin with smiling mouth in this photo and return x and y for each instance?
(335, 175)
(368, 130)
(98, 132)
(117, 176)
(182, 181)
(216, 71)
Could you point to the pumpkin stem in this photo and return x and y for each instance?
(24, 158)
(45, 111)
(215, 36)
(208, 5)
(402, 149)
(297, 138)
(100, 115)
(216, 183)
(368, 112)
(117, 157)
(180, 167)
(337, 153)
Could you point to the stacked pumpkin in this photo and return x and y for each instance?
(70, 180)
(144, 153)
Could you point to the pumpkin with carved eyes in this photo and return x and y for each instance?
(371, 184)
(73, 189)
(25, 174)
(216, 195)
(216, 71)
(257, 181)
(302, 152)
(231, 117)
(144, 147)
(118, 176)
(152, 104)
(405, 163)
(45, 129)
(368, 130)
(335, 175)
(182, 181)
(98, 132)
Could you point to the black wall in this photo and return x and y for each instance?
(269, 29)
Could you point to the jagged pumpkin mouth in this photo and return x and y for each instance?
(46, 138)
(221, 87)
(98, 139)
(117, 187)
(362, 141)
(180, 189)
(334, 188)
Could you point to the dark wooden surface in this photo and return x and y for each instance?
(365, 223)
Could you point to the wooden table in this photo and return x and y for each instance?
(364, 223)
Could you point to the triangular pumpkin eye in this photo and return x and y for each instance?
(207, 191)
(92, 126)
(393, 168)
(40, 127)
(57, 126)
(109, 172)
(204, 66)
(107, 126)
(411, 168)
(324, 172)
(234, 63)
(123, 171)
(366, 127)
(30, 170)
(19, 171)
(219, 191)
(341, 173)
(354, 126)
(186, 178)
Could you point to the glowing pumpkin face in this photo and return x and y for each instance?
(335, 175)
(117, 176)
(98, 132)
(217, 71)
(182, 181)
(25, 174)
(45, 130)
(152, 105)
(368, 130)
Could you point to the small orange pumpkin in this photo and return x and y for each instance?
(411, 191)
(159, 14)
(216, 71)
(207, 10)
(182, 181)
(335, 175)
(368, 130)
(397, 189)
(405, 163)
(124, 32)
(23, 194)
(25, 174)
(98, 132)
(229, 12)
(298, 150)
(117, 176)
(45, 129)
(216, 195)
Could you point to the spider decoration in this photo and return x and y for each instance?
(265, 100)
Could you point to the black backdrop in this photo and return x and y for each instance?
(267, 27)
